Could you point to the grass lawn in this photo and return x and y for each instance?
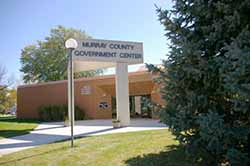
(10, 126)
(145, 148)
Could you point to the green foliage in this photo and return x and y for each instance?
(146, 108)
(206, 78)
(3, 99)
(7, 99)
(47, 60)
(58, 113)
(79, 113)
(7, 94)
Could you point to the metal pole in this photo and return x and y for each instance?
(71, 102)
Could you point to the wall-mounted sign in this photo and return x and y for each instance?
(103, 105)
(86, 90)
(109, 51)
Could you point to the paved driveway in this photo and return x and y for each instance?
(55, 131)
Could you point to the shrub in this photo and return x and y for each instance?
(58, 113)
(79, 114)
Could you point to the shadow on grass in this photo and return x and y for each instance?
(14, 119)
(172, 156)
(10, 126)
(12, 133)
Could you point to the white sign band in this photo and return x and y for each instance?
(109, 51)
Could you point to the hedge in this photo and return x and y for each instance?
(50, 113)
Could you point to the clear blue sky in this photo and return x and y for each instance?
(25, 21)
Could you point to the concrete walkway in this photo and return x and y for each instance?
(55, 131)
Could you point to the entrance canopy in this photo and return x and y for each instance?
(92, 54)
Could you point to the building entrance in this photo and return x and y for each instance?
(138, 106)
(92, 54)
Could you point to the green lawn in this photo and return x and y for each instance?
(10, 126)
(146, 148)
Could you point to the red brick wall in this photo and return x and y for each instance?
(31, 97)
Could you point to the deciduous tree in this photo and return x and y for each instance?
(47, 60)
(7, 94)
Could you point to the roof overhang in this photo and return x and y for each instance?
(135, 88)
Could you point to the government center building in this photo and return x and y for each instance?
(96, 96)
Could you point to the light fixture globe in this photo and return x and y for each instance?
(71, 43)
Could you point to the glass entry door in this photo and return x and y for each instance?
(138, 106)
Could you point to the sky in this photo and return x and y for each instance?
(24, 22)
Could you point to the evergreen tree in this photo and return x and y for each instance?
(206, 78)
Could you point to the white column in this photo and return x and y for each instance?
(138, 104)
(122, 94)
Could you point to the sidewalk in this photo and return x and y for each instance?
(55, 131)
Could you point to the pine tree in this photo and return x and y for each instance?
(206, 78)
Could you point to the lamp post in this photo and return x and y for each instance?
(71, 44)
